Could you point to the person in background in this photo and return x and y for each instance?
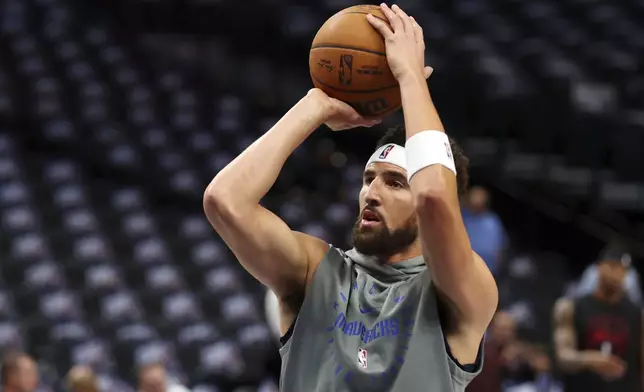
(598, 337)
(511, 364)
(484, 227)
(590, 279)
(529, 370)
(82, 379)
(501, 334)
(19, 373)
(154, 378)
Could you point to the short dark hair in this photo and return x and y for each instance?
(616, 250)
(10, 364)
(398, 136)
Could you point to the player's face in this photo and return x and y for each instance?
(387, 223)
(612, 274)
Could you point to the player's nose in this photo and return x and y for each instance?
(372, 197)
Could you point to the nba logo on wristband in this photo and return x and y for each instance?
(448, 150)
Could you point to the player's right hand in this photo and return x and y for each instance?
(608, 366)
(338, 115)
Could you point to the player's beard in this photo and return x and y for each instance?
(381, 241)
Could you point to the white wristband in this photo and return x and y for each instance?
(428, 148)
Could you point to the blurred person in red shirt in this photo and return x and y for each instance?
(599, 338)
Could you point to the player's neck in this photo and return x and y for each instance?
(609, 295)
(412, 251)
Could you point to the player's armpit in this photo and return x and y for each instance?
(266, 247)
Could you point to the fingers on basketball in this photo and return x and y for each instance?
(397, 23)
(382, 27)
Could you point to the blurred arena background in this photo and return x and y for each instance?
(115, 115)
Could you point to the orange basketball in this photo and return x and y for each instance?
(348, 62)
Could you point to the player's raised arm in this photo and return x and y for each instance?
(460, 276)
(280, 258)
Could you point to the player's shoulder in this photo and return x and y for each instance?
(564, 307)
(314, 248)
(340, 256)
(338, 260)
(566, 302)
(319, 253)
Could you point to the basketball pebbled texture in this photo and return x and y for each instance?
(348, 62)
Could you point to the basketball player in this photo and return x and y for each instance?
(406, 309)
(598, 337)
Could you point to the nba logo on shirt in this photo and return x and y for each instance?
(386, 151)
(362, 358)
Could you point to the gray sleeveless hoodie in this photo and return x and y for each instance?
(364, 326)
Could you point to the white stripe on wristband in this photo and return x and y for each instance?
(428, 148)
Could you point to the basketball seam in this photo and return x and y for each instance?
(353, 91)
(364, 13)
(325, 46)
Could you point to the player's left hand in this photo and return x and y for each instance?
(338, 115)
(404, 42)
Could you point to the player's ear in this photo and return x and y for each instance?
(428, 72)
